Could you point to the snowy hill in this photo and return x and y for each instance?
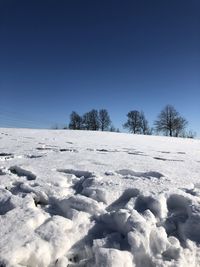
(78, 198)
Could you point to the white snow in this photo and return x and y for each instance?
(78, 198)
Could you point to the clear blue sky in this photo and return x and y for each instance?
(63, 55)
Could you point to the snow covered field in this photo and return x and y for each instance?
(78, 198)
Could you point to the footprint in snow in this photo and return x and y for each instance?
(164, 159)
(34, 156)
(130, 173)
(137, 153)
(6, 156)
(68, 150)
(22, 173)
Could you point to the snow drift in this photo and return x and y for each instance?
(78, 198)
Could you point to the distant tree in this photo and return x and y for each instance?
(75, 121)
(144, 124)
(191, 134)
(104, 119)
(86, 121)
(170, 122)
(133, 123)
(112, 128)
(150, 131)
(180, 125)
(55, 127)
(91, 120)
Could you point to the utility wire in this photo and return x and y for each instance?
(17, 119)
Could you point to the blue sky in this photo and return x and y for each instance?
(59, 56)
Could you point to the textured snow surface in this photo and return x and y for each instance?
(78, 198)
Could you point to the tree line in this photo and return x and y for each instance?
(169, 122)
(93, 120)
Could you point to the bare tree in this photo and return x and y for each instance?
(86, 121)
(91, 120)
(55, 127)
(75, 121)
(104, 119)
(144, 124)
(170, 122)
(112, 128)
(180, 125)
(191, 134)
(133, 123)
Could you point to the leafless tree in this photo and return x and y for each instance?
(144, 124)
(170, 122)
(104, 119)
(75, 121)
(180, 125)
(133, 123)
(191, 134)
(55, 127)
(86, 121)
(91, 120)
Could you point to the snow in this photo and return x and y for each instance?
(78, 198)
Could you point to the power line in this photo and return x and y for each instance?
(21, 116)
(12, 118)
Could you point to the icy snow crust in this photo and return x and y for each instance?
(78, 198)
